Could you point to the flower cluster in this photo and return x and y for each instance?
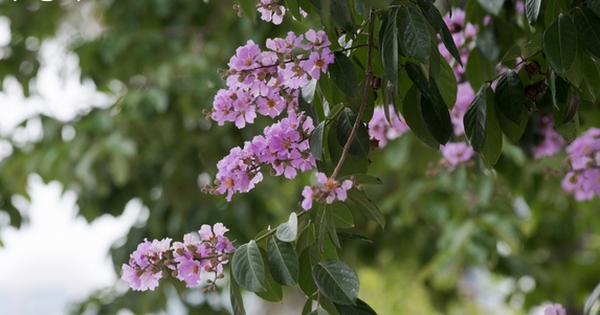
(584, 153)
(552, 142)
(555, 309)
(267, 82)
(381, 130)
(272, 11)
(148, 263)
(284, 146)
(329, 191)
(456, 153)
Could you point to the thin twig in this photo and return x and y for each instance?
(363, 104)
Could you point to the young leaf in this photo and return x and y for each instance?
(389, 46)
(510, 96)
(343, 74)
(434, 17)
(235, 296)
(560, 39)
(532, 10)
(437, 119)
(493, 133)
(475, 120)
(248, 267)
(588, 29)
(360, 145)
(593, 296)
(411, 111)
(336, 281)
(415, 34)
(283, 262)
(316, 141)
(361, 308)
(366, 206)
(288, 231)
(492, 6)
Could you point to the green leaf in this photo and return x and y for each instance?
(319, 312)
(343, 74)
(447, 84)
(475, 120)
(487, 43)
(389, 46)
(532, 10)
(294, 8)
(288, 231)
(377, 4)
(411, 111)
(492, 6)
(559, 40)
(248, 267)
(570, 129)
(360, 145)
(511, 55)
(361, 308)
(415, 35)
(427, 87)
(330, 225)
(336, 281)
(437, 119)
(316, 141)
(249, 9)
(591, 300)
(342, 15)
(283, 262)
(352, 164)
(595, 6)
(307, 259)
(436, 20)
(512, 131)
(510, 96)
(366, 206)
(352, 236)
(235, 296)
(493, 133)
(342, 217)
(478, 69)
(587, 25)
(274, 291)
(363, 179)
(591, 80)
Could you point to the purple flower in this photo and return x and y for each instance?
(328, 190)
(245, 57)
(307, 193)
(271, 11)
(555, 309)
(456, 153)
(381, 130)
(552, 143)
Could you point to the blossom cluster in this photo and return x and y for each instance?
(584, 155)
(555, 309)
(151, 260)
(552, 142)
(328, 190)
(273, 11)
(382, 130)
(284, 146)
(267, 82)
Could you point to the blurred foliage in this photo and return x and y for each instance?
(160, 58)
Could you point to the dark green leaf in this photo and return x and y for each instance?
(274, 291)
(570, 129)
(560, 39)
(308, 306)
(427, 87)
(389, 46)
(492, 6)
(448, 86)
(411, 111)
(479, 70)
(366, 206)
(336, 281)
(235, 296)
(249, 9)
(343, 74)
(475, 120)
(360, 145)
(595, 6)
(512, 131)
(361, 308)
(342, 217)
(434, 17)
(342, 15)
(353, 236)
(377, 4)
(307, 259)
(588, 29)
(487, 43)
(415, 35)
(511, 55)
(510, 96)
(493, 133)
(532, 10)
(437, 119)
(316, 141)
(248, 267)
(283, 262)
(319, 312)
(591, 80)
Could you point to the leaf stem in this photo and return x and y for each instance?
(363, 104)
